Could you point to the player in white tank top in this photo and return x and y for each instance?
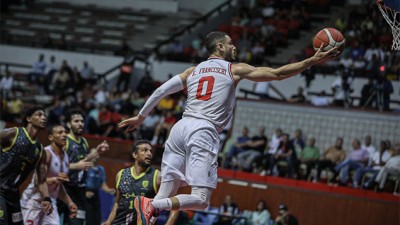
(211, 92)
(190, 151)
(57, 169)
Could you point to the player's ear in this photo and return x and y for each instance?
(51, 137)
(69, 125)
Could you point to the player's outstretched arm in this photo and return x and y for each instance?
(259, 74)
(173, 85)
(41, 172)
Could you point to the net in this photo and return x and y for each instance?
(393, 19)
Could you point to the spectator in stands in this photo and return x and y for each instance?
(236, 148)
(166, 104)
(62, 79)
(347, 62)
(255, 148)
(379, 159)
(229, 209)
(284, 217)
(341, 88)
(101, 95)
(148, 126)
(164, 126)
(372, 67)
(387, 90)
(87, 73)
(331, 158)
(272, 149)
(298, 141)
(298, 97)
(358, 67)
(260, 216)
(125, 72)
(320, 100)
(366, 94)
(96, 180)
(6, 84)
(38, 69)
(358, 158)
(309, 156)
(392, 167)
(15, 108)
(287, 153)
(146, 85)
(108, 119)
(367, 145)
(373, 51)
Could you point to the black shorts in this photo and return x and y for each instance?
(10, 208)
(78, 196)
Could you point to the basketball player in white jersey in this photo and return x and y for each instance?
(57, 169)
(190, 155)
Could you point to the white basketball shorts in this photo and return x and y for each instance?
(190, 155)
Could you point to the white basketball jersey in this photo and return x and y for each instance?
(211, 92)
(55, 168)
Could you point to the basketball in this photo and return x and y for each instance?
(329, 37)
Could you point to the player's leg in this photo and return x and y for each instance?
(9, 203)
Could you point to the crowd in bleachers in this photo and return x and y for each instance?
(296, 158)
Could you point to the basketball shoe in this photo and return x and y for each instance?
(145, 210)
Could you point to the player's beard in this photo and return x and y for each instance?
(76, 131)
(144, 164)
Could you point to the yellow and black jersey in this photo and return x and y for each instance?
(76, 151)
(18, 160)
(131, 186)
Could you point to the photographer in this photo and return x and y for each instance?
(384, 88)
(341, 88)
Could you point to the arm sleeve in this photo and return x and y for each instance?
(171, 86)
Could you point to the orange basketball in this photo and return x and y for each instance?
(329, 37)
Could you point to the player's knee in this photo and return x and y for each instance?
(203, 195)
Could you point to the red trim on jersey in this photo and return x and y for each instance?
(231, 75)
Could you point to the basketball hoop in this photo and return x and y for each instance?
(391, 14)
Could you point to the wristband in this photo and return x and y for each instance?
(47, 199)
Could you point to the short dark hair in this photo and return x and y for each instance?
(51, 128)
(136, 145)
(30, 112)
(71, 112)
(212, 39)
(140, 142)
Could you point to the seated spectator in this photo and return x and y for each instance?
(148, 126)
(62, 79)
(369, 147)
(366, 94)
(236, 148)
(165, 125)
(255, 148)
(260, 216)
(166, 104)
(299, 97)
(272, 149)
(38, 69)
(229, 209)
(309, 156)
(284, 217)
(87, 73)
(379, 159)
(285, 153)
(392, 167)
(320, 100)
(205, 218)
(298, 141)
(341, 88)
(15, 108)
(331, 158)
(6, 84)
(358, 158)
